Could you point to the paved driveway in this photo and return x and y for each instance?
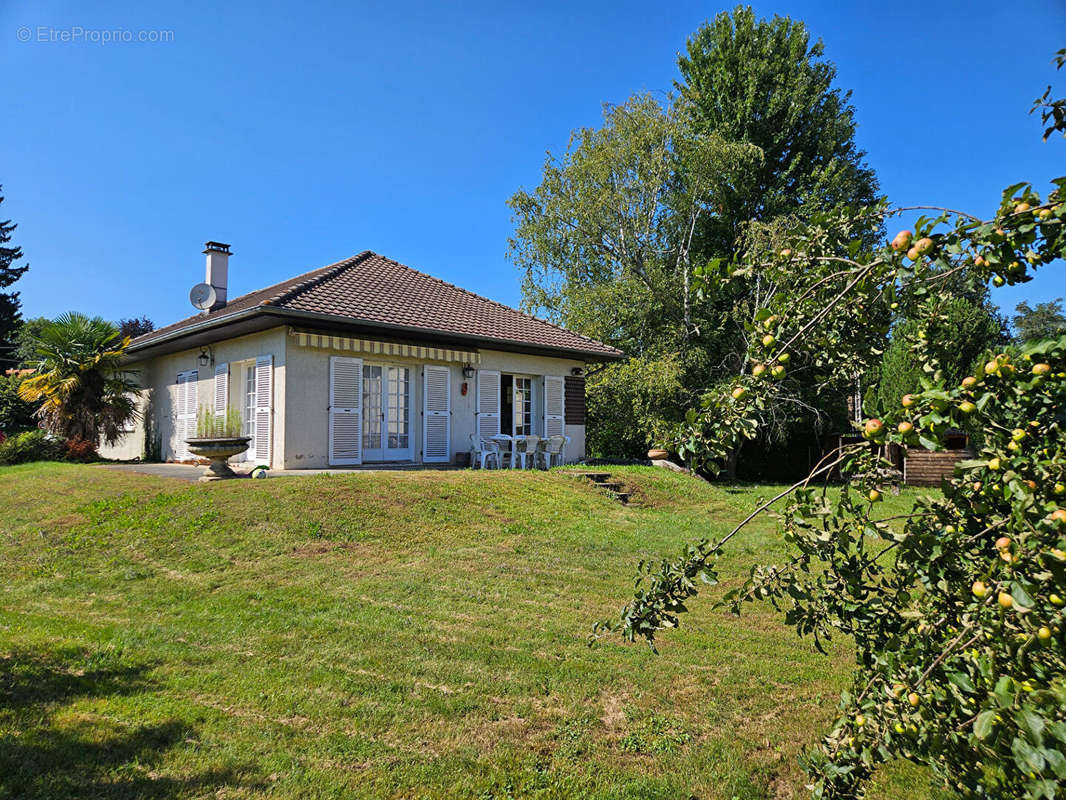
(181, 472)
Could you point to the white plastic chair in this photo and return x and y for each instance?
(483, 451)
(526, 451)
(552, 453)
(504, 448)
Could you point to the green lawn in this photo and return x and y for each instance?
(385, 635)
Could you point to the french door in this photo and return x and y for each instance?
(248, 406)
(386, 413)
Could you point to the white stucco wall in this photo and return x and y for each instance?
(131, 445)
(158, 377)
(300, 428)
(307, 425)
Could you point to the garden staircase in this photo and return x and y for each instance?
(603, 482)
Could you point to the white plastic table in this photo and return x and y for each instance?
(507, 444)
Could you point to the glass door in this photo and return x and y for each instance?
(373, 416)
(248, 410)
(386, 413)
(398, 414)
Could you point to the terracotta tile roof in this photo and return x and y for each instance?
(374, 289)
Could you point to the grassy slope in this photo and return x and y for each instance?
(383, 635)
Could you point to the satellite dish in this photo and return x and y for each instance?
(202, 295)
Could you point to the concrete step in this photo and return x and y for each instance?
(595, 477)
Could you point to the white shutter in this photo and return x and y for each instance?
(437, 414)
(345, 410)
(264, 403)
(185, 400)
(553, 405)
(178, 441)
(488, 403)
(221, 389)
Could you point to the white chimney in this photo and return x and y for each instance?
(217, 270)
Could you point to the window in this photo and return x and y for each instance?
(248, 415)
(523, 406)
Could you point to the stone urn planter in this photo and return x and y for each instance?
(658, 455)
(218, 450)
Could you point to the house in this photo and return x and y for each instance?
(362, 361)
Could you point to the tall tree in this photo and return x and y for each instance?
(622, 224)
(605, 245)
(764, 83)
(135, 326)
(10, 304)
(605, 242)
(1041, 321)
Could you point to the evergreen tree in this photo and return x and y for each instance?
(957, 332)
(10, 319)
(762, 82)
(1042, 321)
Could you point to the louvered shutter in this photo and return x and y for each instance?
(178, 441)
(221, 389)
(554, 405)
(345, 410)
(488, 403)
(437, 414)
(185, 399)
(264, 403)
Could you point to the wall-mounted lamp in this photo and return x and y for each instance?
(206, 357)
(577, 371)
(468, 372)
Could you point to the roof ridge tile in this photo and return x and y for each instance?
(318, 276)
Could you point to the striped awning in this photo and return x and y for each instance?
(326, 341)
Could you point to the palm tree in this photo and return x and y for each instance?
(83, 391)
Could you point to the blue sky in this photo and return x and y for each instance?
(302, 133)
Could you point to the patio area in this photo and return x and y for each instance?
(502, 450)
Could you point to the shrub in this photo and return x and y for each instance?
(630, 405)
(31, 446)
(81, 450)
